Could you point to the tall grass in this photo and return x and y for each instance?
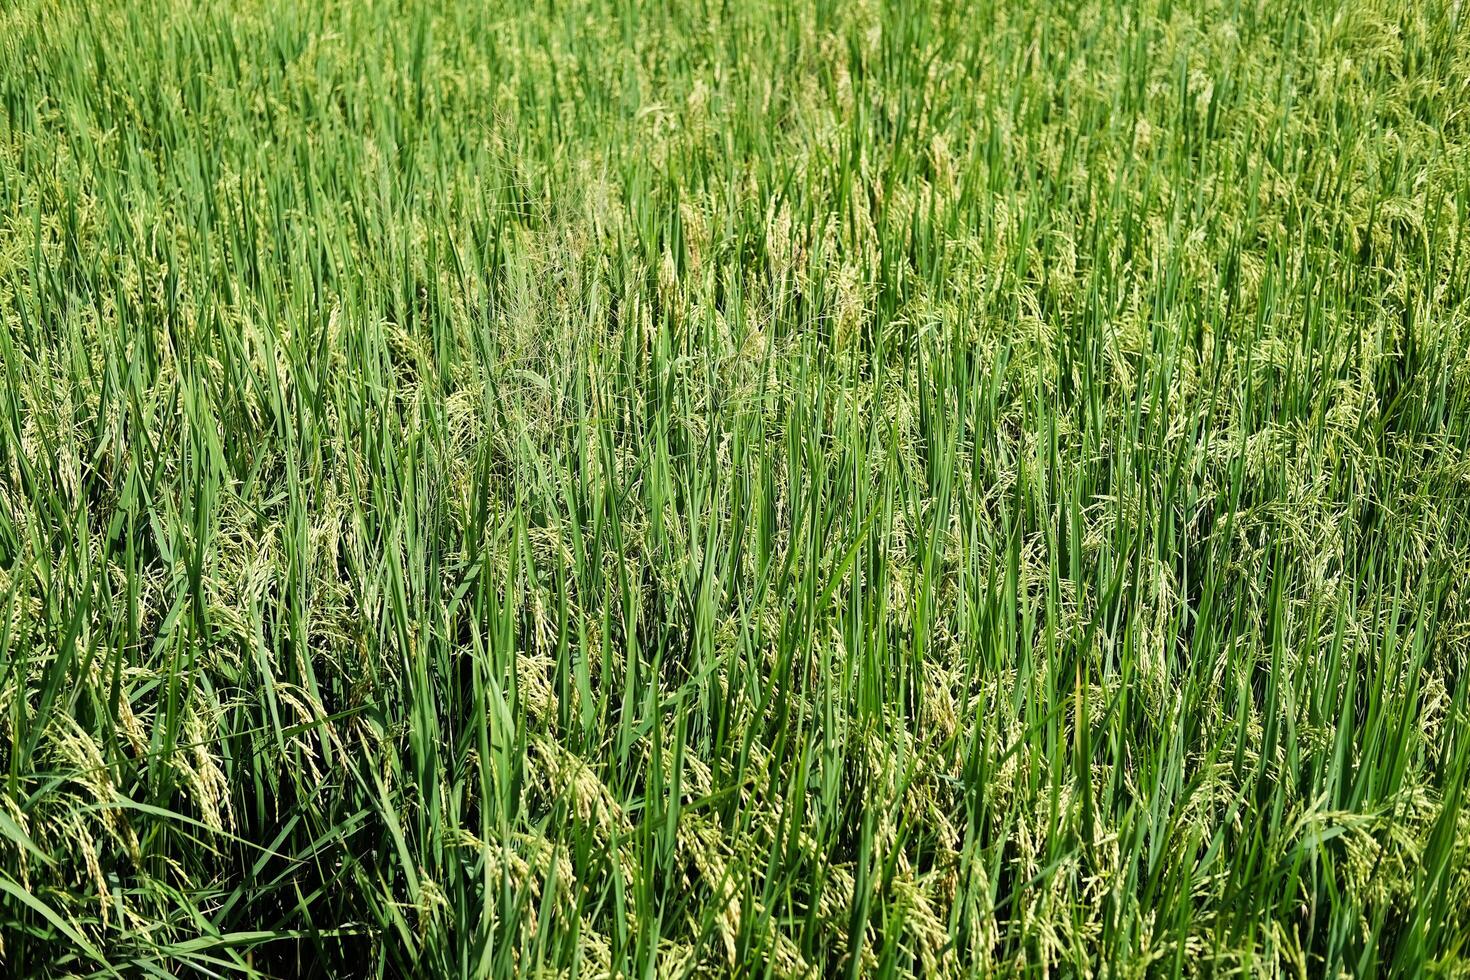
(616, 487)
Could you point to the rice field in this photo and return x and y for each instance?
(675, 488)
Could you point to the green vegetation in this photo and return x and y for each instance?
(617, 487)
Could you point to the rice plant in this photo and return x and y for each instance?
(760, 489)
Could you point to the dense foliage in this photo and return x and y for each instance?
(756, 488)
